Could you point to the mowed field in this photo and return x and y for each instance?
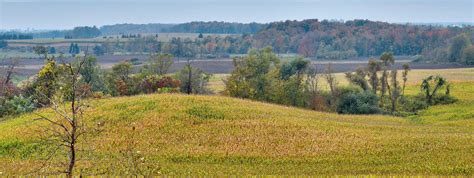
(174, 134)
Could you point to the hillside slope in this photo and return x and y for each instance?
(210, 135)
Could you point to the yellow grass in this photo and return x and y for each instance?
(213, 135)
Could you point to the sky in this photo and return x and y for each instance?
(66, 14)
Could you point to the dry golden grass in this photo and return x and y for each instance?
(214, 135)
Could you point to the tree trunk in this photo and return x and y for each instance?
(190, 77)
(394, 101)
(72, 159)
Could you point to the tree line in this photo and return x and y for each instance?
(334, 39)
(15, 36)
(376, 88)
(310, 38)
(328, 40)
(460, 49)
(83, 32)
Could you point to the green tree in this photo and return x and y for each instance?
(395, 90)
(98, 50)
(468, 55)
(91, 73)
(74, 49)
(119, 81)
(387, 60)
(52, 50)
(47, 82)
(431, 85)
(3, 44)
(456, 49)
(358, 103)
(358, 78)
(250, 78)
(193, 80)
(159, 64)
(372, 70)
(41, 50)
(292, 76)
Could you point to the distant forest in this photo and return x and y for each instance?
(310, 38)
(324, 39)
(191, 27)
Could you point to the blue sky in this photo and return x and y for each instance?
(65, 14)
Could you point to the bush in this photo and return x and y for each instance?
(148, 84)
(344, 90)
(358, 103)
(152, 84)
(413, 104)
(16, 105)
(320, 102)
(444, 99)
(135, 61)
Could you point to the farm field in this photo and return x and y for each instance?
(216, 66)
(163, 37)
(174, 134)
(415, 77)
(318, 88)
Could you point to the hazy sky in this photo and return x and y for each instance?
(65, 14)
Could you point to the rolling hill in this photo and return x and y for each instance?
(175, 134)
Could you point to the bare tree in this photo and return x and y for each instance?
(372, 69)
(312, 82)
(189, 82)
(332, 82)
(406, 69)
(7, 78)
(67, 127)
(394, 89)
(387, 60)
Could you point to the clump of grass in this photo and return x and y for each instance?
(204, 112)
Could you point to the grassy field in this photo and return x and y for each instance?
(414, 77)
(175, 134)
(164, 37)
(4, 55)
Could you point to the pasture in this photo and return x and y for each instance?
(174, 134)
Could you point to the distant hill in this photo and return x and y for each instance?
(216, 27)
(191, 27)
(120, 29)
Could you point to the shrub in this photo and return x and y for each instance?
(444, 99)
(135, 61)
(98, 95)
(413, 104)
(320, 103)
(358, 103)
(344, 90)
(148, 84)
(168, 82)
(151, 84)
(16, 105)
